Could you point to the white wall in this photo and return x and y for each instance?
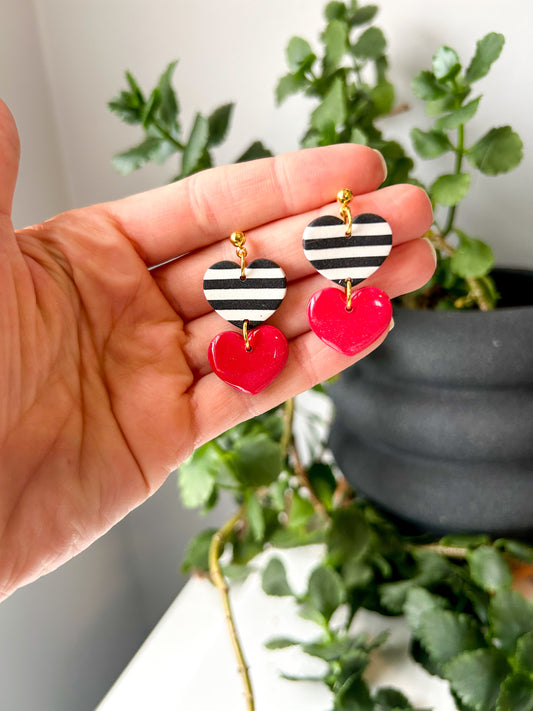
(234, 50)
(63, 639)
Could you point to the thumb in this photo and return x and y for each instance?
(9, 158)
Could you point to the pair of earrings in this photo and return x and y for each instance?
(346, 250)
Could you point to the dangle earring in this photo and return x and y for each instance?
(348, 250)
(246, 296)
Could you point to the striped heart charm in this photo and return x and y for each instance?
(355, 257)
(253, 298)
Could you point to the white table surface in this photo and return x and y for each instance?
(187, 661)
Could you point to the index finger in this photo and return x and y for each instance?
(170, 221)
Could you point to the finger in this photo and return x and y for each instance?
(194, 212)
(9, 158)
(218, 406)
(409, 267)
(406, 208)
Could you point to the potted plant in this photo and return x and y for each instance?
(435, 426)
(468, 624)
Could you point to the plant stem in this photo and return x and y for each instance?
(217, 544)
(289, 449)
(477, 294)
(168, 136)
(288, 419)
(459, 154)
(447, 551)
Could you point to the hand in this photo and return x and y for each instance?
(104, 381)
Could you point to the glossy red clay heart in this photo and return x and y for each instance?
(349, 331)
(249, 371)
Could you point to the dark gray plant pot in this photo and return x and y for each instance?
(436, 426)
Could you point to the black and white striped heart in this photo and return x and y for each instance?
(252, 299)
(356, 257)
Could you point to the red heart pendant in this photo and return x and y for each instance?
(349, 331)
(249, 371)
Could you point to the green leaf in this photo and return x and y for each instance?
(301, 511)
(426, 86)
(325, 590)
(304, 677)
(358, 136)
(256, 460)
(287, 85)
(419, 601)
(197, 476)
(137, 156)
(487, 565)
(311, 139)
(323, 483)
(135, 88)
(298, 50)
(236, 572)
(458, 117)
(450, 189)
(354, 696)
(516, 694)
(197, 552)
(430, 144)
(151, 107)
(356, 574)
(309, 612)
(335, 39)
(282, 643)
(432, 567)
(488, 50)
(336, 649)
(499, 151)
(196, 146)
(436, 107)
(219, 124)
(274, 579)
(393, 595)
(383, 97)
(253, 152)
(256, 519)
(511, 616)
(387, 699)
(519, 550)
(168, 109)
(371, 44)
(126, 107)
(332, 110)
(349, 535)
(446, 64)
(446, 634)
(335, 11)
(294, 537)
(476, 678)
(524, 652)
(363, 15)
(472, 259)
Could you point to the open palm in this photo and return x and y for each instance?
(104, 381)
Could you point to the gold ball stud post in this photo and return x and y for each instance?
(344, 196)
(237, 239)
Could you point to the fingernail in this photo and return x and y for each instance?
(432, 247)
(383, 163)
(391, 325)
